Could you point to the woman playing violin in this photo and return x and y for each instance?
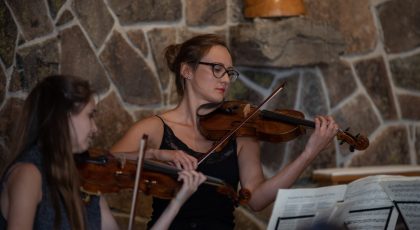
(39, 189)
(204, 71)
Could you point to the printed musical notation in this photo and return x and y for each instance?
(373, 202)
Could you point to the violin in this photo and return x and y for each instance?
(280, 125)
(235, 118)
(101, 172)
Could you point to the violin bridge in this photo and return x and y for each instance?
(247, 110)
(122, 159)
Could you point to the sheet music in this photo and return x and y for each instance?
(346, 216)
(298, 208)
(407, 189)
(368, 193)
(373, 202)
(406, 197)
(366, 205)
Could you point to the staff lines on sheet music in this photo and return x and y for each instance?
(376, 209)
(399, 211)
(291, 218)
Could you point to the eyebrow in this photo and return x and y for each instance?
(219, 63)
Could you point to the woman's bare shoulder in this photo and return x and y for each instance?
(150, 126)
(151, 122)
(24, 173)
(22, 192)
(24, 169)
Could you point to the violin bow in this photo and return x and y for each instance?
(233, 131)
(142, 149)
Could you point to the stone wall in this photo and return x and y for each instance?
(357, 60)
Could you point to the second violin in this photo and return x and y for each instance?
(102, 172)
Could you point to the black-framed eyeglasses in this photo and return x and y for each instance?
(219, 70)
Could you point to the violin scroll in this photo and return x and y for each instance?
(358, 142)
(242, 198)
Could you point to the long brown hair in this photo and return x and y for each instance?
(44, 121)
(190, 52)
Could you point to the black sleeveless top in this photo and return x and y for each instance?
(206, 208)
(45, 215)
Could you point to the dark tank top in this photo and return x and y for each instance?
(206, 208)
(45, 215)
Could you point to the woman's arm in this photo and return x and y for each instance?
(107, 219)
(130, 142)
(153, 127)
(191, 180)
(21, 196)
(264, 191)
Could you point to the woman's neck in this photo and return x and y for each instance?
(187, 109)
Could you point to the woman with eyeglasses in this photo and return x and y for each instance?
(203, 71)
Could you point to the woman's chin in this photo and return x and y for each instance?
(80, 149)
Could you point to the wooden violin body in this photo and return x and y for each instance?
(101, 172)
(107, 174)
(274, 126)
(228, 116)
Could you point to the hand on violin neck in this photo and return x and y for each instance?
(325, 131)
(190, 181)
(176, 158)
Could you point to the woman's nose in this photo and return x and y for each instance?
(226, 77)
(94, 127)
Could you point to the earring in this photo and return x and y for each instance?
(188, 77)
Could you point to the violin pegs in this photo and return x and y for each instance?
(347, 129)
(357, 135)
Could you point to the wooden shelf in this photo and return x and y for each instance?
(333, 176)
